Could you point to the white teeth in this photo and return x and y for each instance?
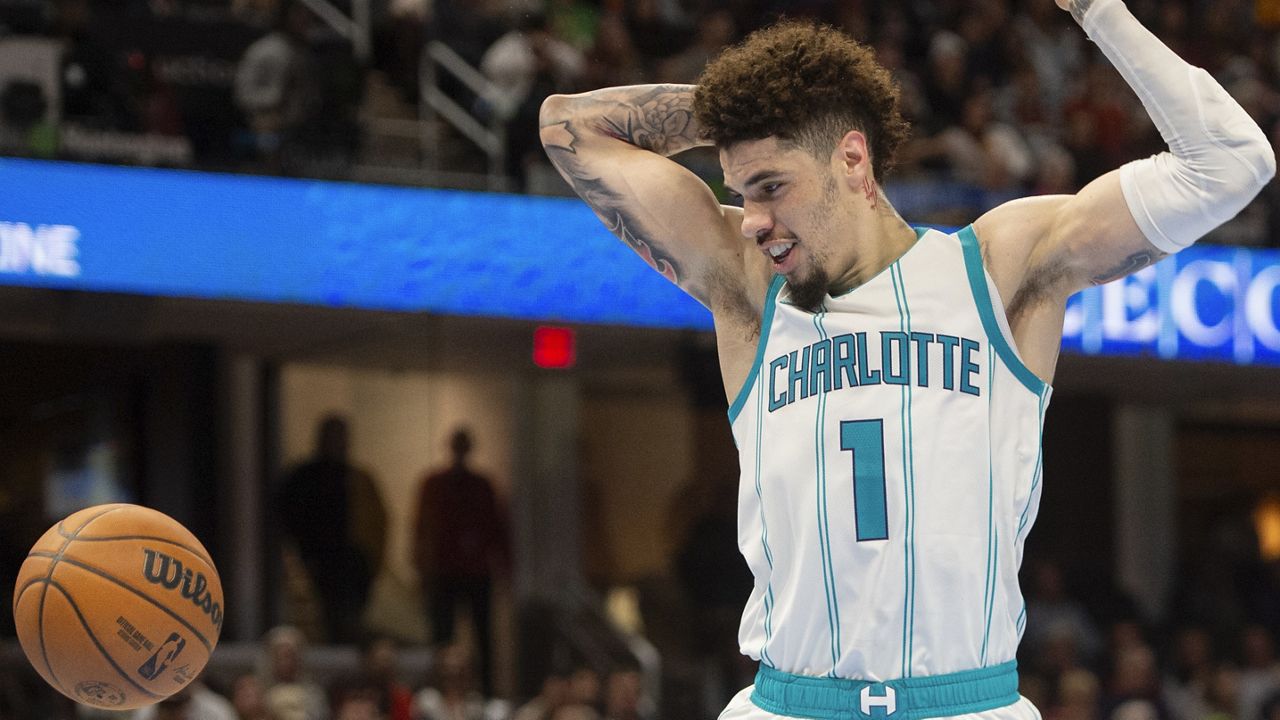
(777, 250)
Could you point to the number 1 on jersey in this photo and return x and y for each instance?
(865, 439)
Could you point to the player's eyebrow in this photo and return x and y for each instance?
(753, 180)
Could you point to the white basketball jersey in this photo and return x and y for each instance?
(890, 455)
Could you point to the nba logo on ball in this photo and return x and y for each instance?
(167, 653)
(118, 606)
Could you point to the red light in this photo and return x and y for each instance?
(553, 347)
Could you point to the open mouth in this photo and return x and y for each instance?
(778, 253)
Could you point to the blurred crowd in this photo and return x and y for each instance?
(284, 682)
(1007, 97)
(1072, 665)
(1075, 666)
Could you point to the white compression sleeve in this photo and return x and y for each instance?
(1219, 158)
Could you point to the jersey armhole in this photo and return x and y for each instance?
(997, 331)
(766, 323)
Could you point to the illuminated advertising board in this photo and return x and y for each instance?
(266, 239)
(1205, 303)
(186, 234)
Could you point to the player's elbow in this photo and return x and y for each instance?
(1266, 157)
(1230, 175)
(1240, 178)
(1256, 161)
(555, 109)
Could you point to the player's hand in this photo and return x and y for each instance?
(1064, 4)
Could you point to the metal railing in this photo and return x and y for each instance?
(435, 106)
(357, 29)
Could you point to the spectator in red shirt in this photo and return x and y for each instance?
(379, 658)
(460, 540)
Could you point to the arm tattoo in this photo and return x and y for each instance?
(659, 119)
(663, 264)
(1131, 264)
(609, 205)
(1079, 8)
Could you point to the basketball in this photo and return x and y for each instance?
(118, 606)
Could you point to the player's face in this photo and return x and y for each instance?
(790, 204)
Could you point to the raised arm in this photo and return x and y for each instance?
(1041, 250)
(612, 146)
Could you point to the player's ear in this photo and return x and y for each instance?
(853, 158)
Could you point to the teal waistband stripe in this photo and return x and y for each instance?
(912, 698)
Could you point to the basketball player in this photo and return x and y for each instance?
(887, 384)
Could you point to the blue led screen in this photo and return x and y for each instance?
(165, 232)
(188, 234)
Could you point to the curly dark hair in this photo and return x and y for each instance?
(805, 83)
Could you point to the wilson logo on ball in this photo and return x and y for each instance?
(160, 569)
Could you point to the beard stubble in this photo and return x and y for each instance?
(809, 292)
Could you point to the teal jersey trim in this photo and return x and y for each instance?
(995, 574)
(918, 698)
(908, 487)
(1039, 470)
(982, 296)
(824, 518)
(769, 600)
(988, 599)
(766, 322)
